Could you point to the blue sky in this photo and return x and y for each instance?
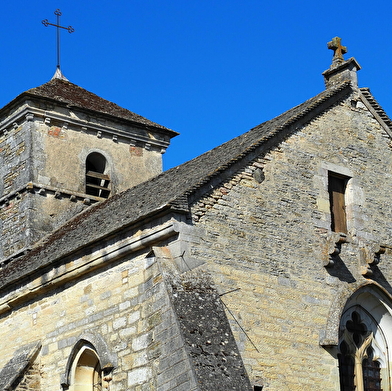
(207, 69)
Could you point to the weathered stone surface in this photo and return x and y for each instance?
(270, 239)
(45, 138)
(21, 373)
(221, 273)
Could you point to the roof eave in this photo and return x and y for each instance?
(24, 96)
(294, 122)
(45, 244)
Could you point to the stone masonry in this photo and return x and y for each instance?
(46, 135)
(270, 239)
(222, 273)
(127, 302)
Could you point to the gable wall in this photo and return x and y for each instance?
(272, 239)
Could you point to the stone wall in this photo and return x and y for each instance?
(124, 309)
(14, 154)
(14, 216)
(61, 148)
(266, 232)
(31, 380)
(32, 213)
(15, 174)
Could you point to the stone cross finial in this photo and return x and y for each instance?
(338, 50)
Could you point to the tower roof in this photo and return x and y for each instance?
(71, 94)
(64, 92)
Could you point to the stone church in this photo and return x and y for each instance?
(263, 264)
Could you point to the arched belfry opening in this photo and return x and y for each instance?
(97, 178)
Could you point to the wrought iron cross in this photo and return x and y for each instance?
(70, 29)
(338, 50)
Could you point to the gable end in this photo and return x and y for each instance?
(378, 112)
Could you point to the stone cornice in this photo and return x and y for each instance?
(75, 266)
(108, 131)
(41, 189)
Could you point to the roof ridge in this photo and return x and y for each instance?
(325, 95)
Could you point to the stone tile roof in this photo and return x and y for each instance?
(169, 189)
(379, 110)
(72, 95)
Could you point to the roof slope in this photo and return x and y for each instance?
(379, 110)
(168, 188)
(14, 369)
(72, 95)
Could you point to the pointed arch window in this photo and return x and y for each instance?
(97, 178)
(362, 352)
(371, 371)
(86, 371)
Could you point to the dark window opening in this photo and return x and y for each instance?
(337, 189)
(357, 329)
(371, 372)
(97, 181)
(353, 354)
(346, 369)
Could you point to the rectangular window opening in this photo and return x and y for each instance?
(337, 189)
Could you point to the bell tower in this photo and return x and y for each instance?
(63, 148)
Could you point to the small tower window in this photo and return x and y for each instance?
(337, 189)
(97, 180)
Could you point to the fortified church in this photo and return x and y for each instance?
(263, 264)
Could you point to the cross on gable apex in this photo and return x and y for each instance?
(338, 50)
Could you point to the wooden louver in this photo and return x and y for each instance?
(97, 184)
